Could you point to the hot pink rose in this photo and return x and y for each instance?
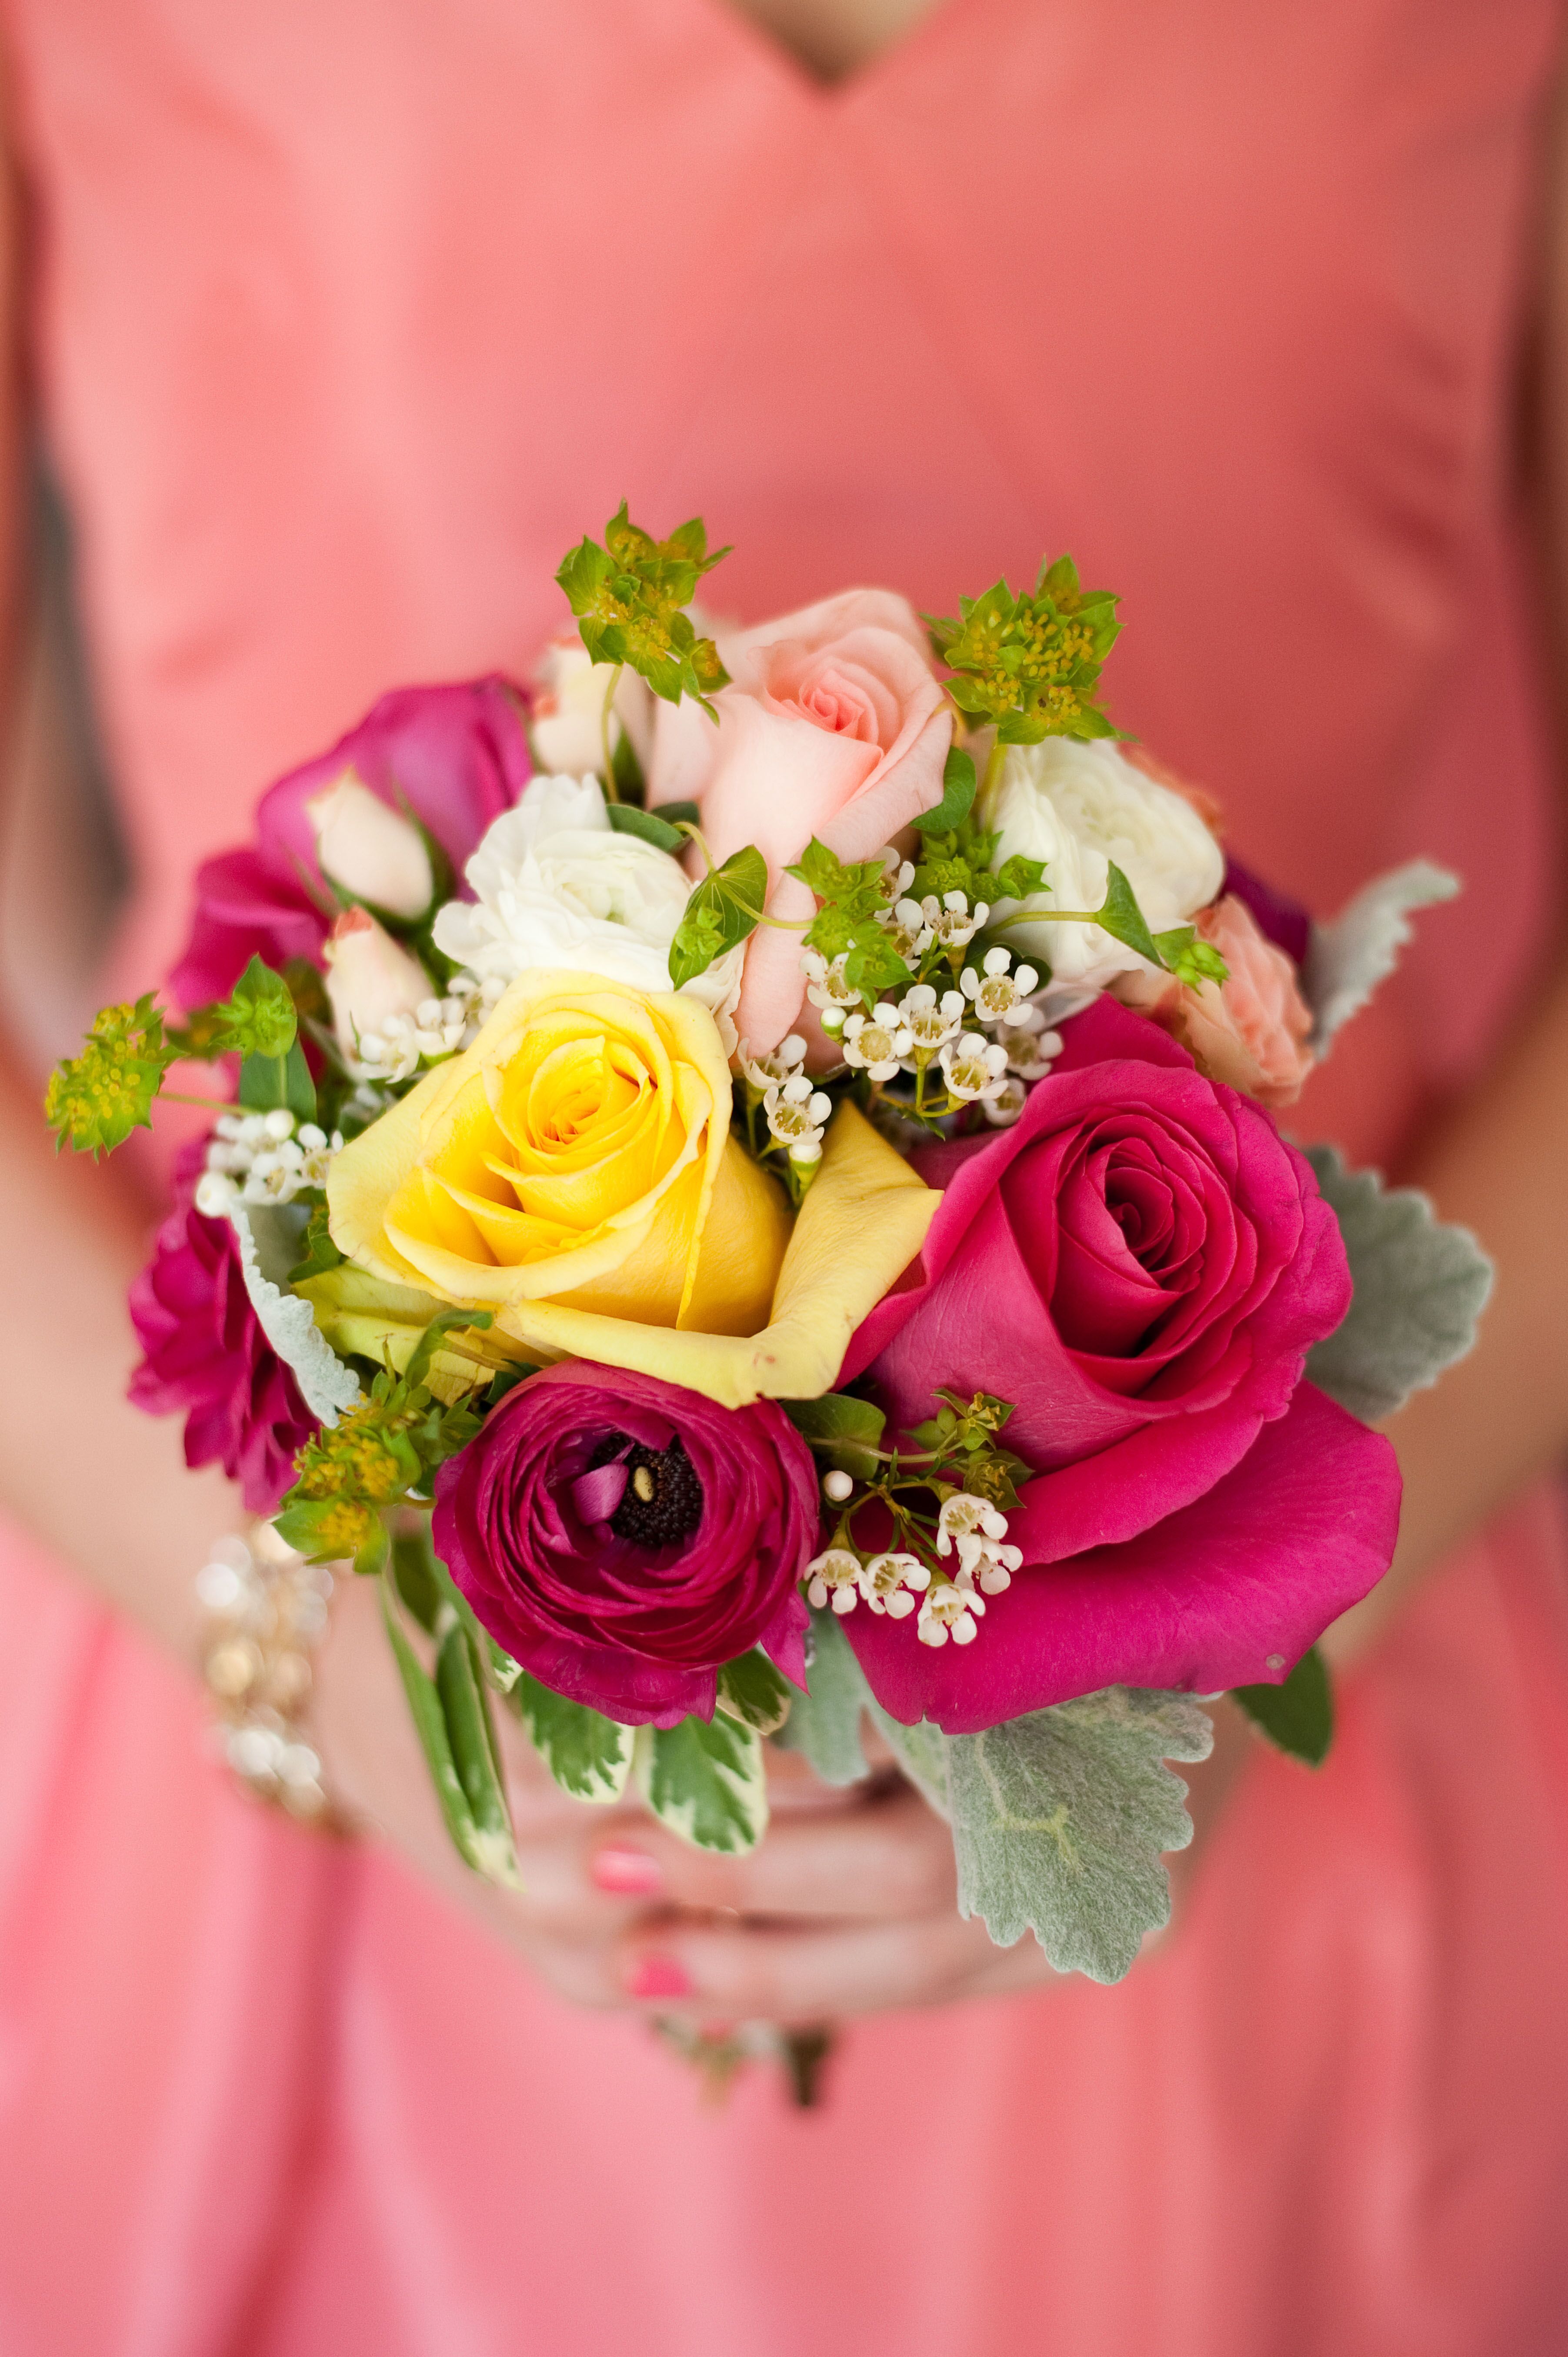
(1140, 1264)
(834, 725)
(1249, 1031)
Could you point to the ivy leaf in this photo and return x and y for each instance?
(624, 818)
(958, 796)
(757, 1693)
(1018, 877)
(823, 1724)
(720, 914)
(1191, 961)
(845, 1429)
(95, 1100)
(589, 1755)
(1059, 1820)
(704, 1782)
(1419, 1289)
(1123, 918)
(1297, 1715)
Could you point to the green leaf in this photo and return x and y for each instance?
(415, 1574)
(719, 915)
(757, 1693)
(258, 1019)
(673, 814)
(843, 1428)
(958, 796)
(589, 1755)
(1059, 1820)
(444, 1322)
(269, 1083)
(627, 819)
(874, 966)
(824, 873)
(823, 1724)
(1297, 1717)
(320, 1252)
(475, 1755)
(1018, 877)
(95, 1100)
(1123, 918)
(1191, 961)
(430, 1725)
(1419, 1289)
(705, 1783)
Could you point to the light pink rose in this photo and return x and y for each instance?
(834, 725)
(1249, 1031)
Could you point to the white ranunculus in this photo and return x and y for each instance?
(1078, 807)
(567, 722)
(371, 850)
(556, 885)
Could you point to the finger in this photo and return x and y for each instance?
(888, 1858)
(771, 1973)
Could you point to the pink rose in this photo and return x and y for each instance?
(834, 725)
(1249, 1031)
(1141, 1264)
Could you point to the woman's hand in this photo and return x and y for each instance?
(848, 1905)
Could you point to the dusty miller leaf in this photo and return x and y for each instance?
(1420, 1286)
(823, 1724)
(1348, 959)
(1059, 1820)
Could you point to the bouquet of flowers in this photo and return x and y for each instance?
(745, 1192)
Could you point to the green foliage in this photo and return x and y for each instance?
(258, 1019)
(1419, 1289)
(851, 897)
(705, 1781)
(847, 1430)
(589, 1755)
(269, 1082)
(823, 1724)
(959, 788)
(1191, 961)
(1123, 918)
(95, 1100)
(1030, 663)
(627, 819)
(1017, 878)
(350, 1473)
(753, 1691)
(320, 1254)
(962, 1437)
(451, 1718)
(1059, 1820)
(721, 912)
(628, 596)
(1297, 1717)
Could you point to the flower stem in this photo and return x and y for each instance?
(610, 793)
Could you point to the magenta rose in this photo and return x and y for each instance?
(623, 1538)
(205, 1355)
(1140, 1264)
(456, 756)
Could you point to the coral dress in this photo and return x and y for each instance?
(350, 319)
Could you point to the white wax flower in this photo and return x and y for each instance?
(1078, 807)
(556, 885)
(370, 977)
(371, 850)
(566, 724)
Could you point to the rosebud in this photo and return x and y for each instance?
(566, 724)
(369, 849)
(368, 977)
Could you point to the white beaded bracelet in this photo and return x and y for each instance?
(267, 1612)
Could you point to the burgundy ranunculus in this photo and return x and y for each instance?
(623, 1538)
(457, 755)
(1140, 1264)
(207, 1355)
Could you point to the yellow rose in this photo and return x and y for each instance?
(573, 1172)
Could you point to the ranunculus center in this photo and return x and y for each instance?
(662, 1501)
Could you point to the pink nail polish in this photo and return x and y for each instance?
(657, 1976)
(626, 1873)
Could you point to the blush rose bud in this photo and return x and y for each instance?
(371, 850)
(370, 977)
